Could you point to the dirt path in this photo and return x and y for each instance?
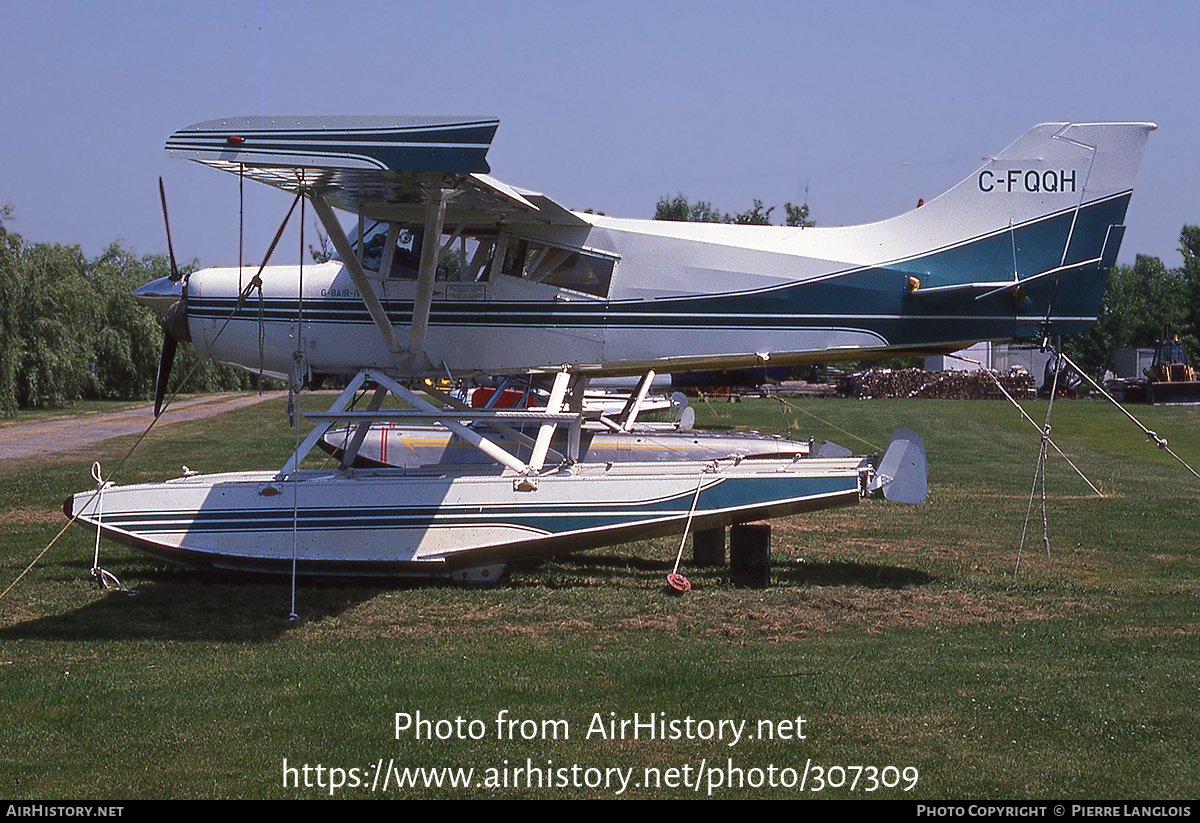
(67, 435)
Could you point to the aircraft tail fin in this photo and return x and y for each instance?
(1038, 226)
(1055, 166)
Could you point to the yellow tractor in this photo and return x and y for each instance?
(1171, 377)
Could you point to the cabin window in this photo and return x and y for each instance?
(406, 259)
(572, 269)
(514, 258)
(580, 270)
(575, 271)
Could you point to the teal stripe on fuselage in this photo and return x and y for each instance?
(873, 299)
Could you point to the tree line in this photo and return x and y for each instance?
(1139, 300)
(679, 208)
(69, 329)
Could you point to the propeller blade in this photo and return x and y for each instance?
(162, 193)
(164, 371)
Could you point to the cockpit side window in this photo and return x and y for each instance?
(578, 270)
(587, 271)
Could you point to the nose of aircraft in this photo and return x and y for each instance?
(169, 300)
(159, 294)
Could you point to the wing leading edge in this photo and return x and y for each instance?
(378, 167)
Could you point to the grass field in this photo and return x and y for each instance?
(900, 652)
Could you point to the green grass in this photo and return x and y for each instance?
(904, 636)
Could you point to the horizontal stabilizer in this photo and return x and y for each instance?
(995, 287)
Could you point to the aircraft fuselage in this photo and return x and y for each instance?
(1019, 250)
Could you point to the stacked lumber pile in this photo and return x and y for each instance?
(939, 385)
(801, 388)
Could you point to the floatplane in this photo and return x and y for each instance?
(451, 273)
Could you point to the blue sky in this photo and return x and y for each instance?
(860, 108)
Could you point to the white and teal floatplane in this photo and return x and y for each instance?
(451, 273)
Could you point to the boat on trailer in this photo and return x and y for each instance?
(429, 523)
(467, 522)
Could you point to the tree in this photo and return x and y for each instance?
(797, 215)
(755, 217)
(70, 329)
(56, 319)
(680, 209)
(323, 251)
(1189, 246)
(1139, 299)
(128, 338)
(10, 332)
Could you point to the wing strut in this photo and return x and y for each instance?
(435, 215)
(415, 359)
(557, 393)
(355, 270)
(630, 413)
(449, 401)
(423, 409)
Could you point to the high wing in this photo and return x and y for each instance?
(379, 167)
(418, 171)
